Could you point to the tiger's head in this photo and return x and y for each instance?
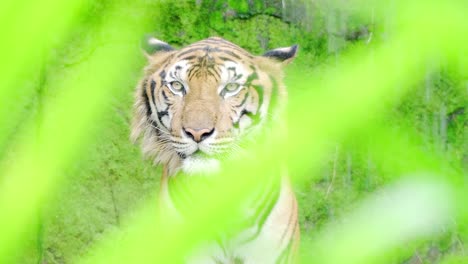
(195, 104)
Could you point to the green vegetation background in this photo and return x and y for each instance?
(111, 179)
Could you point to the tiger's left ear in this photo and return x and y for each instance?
(152, 45)
(284, 55)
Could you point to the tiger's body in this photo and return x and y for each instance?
(193, 107)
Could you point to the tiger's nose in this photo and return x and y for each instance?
(198, 135)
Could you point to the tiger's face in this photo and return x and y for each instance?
(195, 104)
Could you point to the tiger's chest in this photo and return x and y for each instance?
(265, 233)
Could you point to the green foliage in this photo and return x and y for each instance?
(256, 27)
(108, 180)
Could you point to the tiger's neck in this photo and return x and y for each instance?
(177, 189)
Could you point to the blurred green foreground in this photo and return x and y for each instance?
(377, 124)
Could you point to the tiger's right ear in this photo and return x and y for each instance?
(284, 55)
(152, 45)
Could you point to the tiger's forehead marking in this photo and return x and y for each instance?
(206, 61)
(225, 72)
(216, 46)
(204, 64)
(209, 58)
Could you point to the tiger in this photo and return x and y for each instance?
(194, 105)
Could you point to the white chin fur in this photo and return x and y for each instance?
(197, 165)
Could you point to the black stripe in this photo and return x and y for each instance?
(237, 77)
(198, 71)
(156, 128)
(192, 71)
(145, 98)
(218, 75)
(243, 100)
(223, 42)
(171, 74)
(210, 49)
(165, 96)
(161, 114)
(162, 74)
(152, 88)
(189, 57)
(153, 95)
(188, 51)
(222, 93)
(225, 58)
(209, 72)
(254, 117)
(194, 48)
(220, 42)
(230, 53)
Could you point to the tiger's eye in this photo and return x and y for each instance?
(177, 86)
(231, 87)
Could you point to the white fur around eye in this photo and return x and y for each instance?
(233, 75)
(177, 87)
(176, 76)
